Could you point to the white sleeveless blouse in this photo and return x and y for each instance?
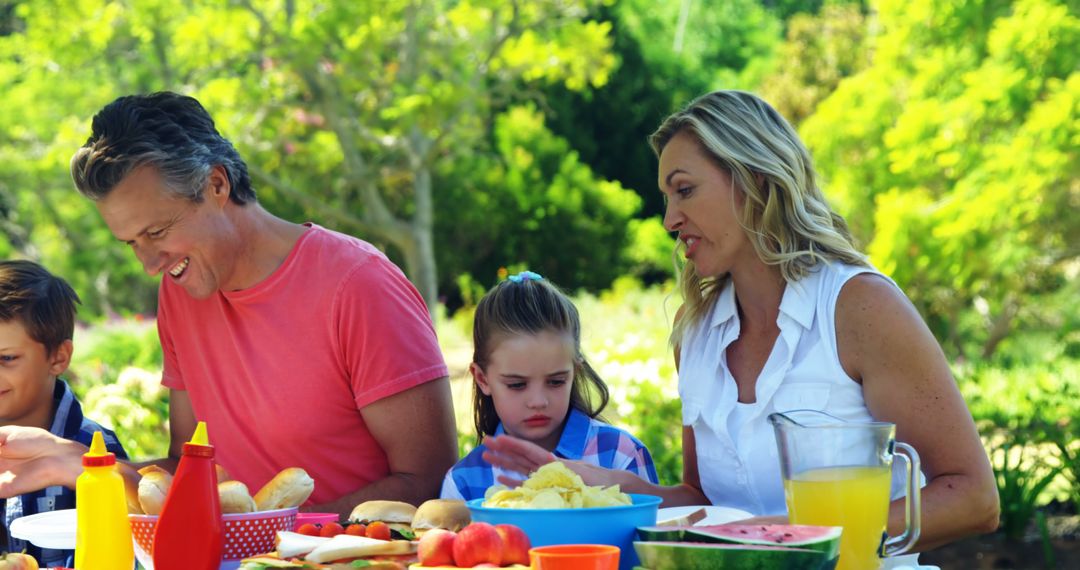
(736, 449)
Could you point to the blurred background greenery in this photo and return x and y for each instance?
(468, 136)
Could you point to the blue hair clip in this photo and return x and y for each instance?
(525, 276)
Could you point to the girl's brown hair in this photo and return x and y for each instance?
(529, 304)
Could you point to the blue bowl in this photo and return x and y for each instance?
(616, 526)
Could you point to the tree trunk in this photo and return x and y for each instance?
(1000, 328)
(424, 273)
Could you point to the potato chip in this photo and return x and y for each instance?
(554, 486)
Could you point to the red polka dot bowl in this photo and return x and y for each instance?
(246, 535)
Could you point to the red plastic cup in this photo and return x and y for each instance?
(575, 557)
(315, 518)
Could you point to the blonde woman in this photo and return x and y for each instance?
(781, 312)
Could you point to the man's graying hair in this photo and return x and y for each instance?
(171, 132)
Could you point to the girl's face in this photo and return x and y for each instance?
(529, 379)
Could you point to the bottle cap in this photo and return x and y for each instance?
(200, 443)
(98, 456)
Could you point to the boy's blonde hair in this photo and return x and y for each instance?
(784, 214)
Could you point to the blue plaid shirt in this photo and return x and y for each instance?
(583, 438)
(68, 423)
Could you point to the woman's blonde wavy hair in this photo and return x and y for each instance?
(784, 213)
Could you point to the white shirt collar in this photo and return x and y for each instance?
(798, 303)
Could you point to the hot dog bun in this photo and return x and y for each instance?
(235, 498)
(153, 487)
(290, 488)
(222, 474)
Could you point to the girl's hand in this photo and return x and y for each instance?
(513, 454)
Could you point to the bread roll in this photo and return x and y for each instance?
(153, 487)
(449, 514)
(235, 498)
(131, 493)
(290, 488)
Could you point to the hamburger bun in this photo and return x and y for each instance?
(289, 488)
(396, 515)
(235, 498)
(153, 487)
(449, 514)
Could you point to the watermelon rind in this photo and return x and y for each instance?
(711, 556)
(663, 533)
(824, 539)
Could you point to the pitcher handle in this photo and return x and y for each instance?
(912, 504)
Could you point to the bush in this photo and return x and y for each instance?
(116, 373)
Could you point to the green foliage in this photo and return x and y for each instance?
(954, 155)
(657, 421)
(116, 373)
(1069, 448)
(1027, 415)
(534, 204)
(625, 336)
(342, 109)
(1020, 480)
(665, 59)
(820, 51)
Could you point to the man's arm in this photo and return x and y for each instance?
(416, 430)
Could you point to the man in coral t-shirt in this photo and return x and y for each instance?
(299, 346)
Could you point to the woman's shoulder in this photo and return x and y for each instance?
(874, 319)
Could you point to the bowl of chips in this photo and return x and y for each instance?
(554, 506)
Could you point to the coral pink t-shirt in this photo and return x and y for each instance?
(280, 371)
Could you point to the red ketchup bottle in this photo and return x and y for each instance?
(189, 533)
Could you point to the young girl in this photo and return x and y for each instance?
(532, 382)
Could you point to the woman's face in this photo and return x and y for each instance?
(529, 378)
(702, 204)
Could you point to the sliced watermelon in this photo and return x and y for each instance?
(824, 539)
(664, 533)
(709, 556)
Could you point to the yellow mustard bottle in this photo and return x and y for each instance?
(103, 531)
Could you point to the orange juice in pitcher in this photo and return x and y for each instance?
(839, 473)
(856, 498)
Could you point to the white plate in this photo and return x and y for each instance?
(713, 514)
(54, 529)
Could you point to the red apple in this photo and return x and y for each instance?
(515, 544)
(436, 548)
(476, 544)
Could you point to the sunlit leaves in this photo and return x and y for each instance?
(948, 140)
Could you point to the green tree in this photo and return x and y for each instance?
(820, 51)
(954, 155)
(555, 217)
(343, 110)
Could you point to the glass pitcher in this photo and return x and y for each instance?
(839, 473)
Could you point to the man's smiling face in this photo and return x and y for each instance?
(191, 243)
